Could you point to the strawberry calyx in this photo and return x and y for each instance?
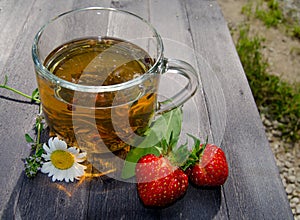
(182, 156)
(177, 155)
(196, 154)
(160, 138)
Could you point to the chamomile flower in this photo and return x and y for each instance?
(62, 163)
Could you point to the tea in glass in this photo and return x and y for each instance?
(106, 120)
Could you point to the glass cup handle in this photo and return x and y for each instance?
(180, 67)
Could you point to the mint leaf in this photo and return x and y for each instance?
(35, 94)
(28, 138)
(195, 153)
(167, 126)
(174, 123)
(181, 155)
(197, 143)
(161, 136)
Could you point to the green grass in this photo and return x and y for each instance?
(268, 11)
(296, 31)
(275, 98)
(271, 14)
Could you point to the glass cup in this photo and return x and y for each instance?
(98, 72)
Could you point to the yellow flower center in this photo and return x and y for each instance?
(62, 159)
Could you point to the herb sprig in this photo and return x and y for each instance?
(34, 96)
(161, 138)
(34, 162)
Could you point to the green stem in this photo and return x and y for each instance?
(20, 93)
(4, 86)
(39, 130)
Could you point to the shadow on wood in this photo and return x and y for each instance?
(100, 198)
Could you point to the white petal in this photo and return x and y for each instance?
(53, 178)
(78, 177)
(46, 148)
(73, 150)
(79, 169)
(80, 157)
(83, 166)
(60, 175)
(50, 141)
(59, 144)
(72, 178)
(75, 171)
(46, 168)
(46, 156)
(67, 175)
(51, 144)
(70, 175)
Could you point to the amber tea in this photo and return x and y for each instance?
(103, 120)
(100, 93)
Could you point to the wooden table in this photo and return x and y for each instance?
(253, 189)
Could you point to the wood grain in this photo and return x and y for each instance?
(254, 176)
(223, 109)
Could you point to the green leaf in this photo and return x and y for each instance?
(162, 135)
(133, 157)
(5, 82)
(35, 94)
(197, 142)
(173, 120)
(167, 126)
(40, 151)
(28, 138)
(179, 156)
(153, 136)
(193, 154)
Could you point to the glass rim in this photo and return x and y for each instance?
(96, 89)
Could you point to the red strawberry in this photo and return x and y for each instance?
(159, 183)
(211, 169)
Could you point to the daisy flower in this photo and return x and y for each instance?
(62, 163)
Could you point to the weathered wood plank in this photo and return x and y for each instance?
(17, 118)
(254, 189)
(116, 208)
(41, 199)
(183, 25)
(178, 42)
(10, 28)
(175, 31)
